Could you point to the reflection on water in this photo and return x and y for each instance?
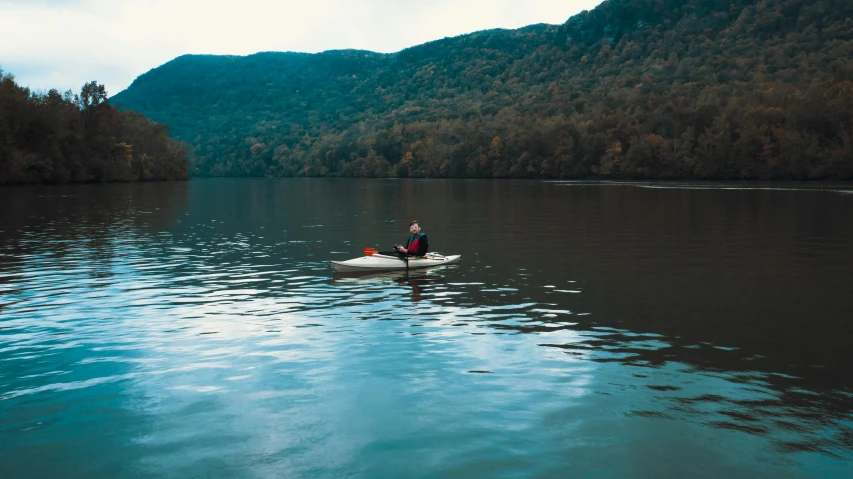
(416, 279)
(591, 329)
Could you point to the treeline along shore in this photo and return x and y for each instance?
(641, 89)
(68, 138)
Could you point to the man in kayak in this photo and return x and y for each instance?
(417, 244)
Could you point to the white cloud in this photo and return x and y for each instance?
(64, 43)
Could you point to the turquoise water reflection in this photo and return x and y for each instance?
(196, 329)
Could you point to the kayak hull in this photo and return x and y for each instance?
(381, 262)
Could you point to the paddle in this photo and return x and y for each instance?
(372, 251)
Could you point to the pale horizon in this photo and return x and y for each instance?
(63, 44)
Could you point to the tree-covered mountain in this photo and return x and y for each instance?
(63, 138)
(634, 88)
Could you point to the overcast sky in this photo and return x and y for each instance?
(65, 43)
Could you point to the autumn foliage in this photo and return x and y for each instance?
(62, 138)
(632, 89)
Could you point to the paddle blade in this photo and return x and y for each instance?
(370, 251)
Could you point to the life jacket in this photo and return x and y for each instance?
(413, 243)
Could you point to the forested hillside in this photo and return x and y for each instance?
(63, 138)
(632, 89)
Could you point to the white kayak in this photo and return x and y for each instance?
(381, 262)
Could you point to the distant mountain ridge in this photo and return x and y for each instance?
(636, 89)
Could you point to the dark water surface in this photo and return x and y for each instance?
(592, 330)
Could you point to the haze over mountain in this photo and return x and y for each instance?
(641, 89)
(113, 41)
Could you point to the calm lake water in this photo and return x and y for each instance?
(591, 330)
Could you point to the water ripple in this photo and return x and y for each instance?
(210, 347)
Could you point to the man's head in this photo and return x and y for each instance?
(414, 227)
